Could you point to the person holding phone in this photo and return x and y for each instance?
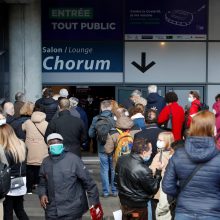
(160, 205)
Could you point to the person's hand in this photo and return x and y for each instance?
(44, 201)
(159, 165)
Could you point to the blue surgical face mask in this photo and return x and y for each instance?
(56, 149)
(146, 158)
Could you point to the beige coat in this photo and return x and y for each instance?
(162, 211)
(36, 146)
(165, 160)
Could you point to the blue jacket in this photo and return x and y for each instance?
(92, 129)
(202, 194)
(154, 100)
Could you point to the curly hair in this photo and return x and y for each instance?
(171, 97)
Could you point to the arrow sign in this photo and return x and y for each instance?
(143, 68)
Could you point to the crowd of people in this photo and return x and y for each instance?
(160, 160)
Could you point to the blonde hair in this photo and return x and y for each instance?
(27, 109)
(11, 143)
(168, 138)
(140, 100)
(203, 124)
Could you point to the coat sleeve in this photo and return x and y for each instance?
(88, 183)
(42, 188)
(164, 115)
(92, 130)
(169, 183)
(83, 133)
(194, 108)
(51, 128)
(154, 163)
(151, 183)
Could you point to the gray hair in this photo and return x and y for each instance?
(152, 88)
(19, 96)
(136, 93)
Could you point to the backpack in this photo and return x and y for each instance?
(124, 144)
(103, 126)
(203, 107)
(5, 179)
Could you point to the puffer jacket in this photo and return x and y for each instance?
(135, 181)
(202, 194)
(35, 129)
(123, 123)
(49, 106)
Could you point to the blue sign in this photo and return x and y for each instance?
(82, 57)
(82, 20)
(169, 18)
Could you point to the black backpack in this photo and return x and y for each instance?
(5, 179)
(203, 107)
(103, 126)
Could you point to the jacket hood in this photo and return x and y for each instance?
(200, 149)
(48, 101)
(106, 113)
(153, 98)
(124, 123)
(138, 115)
(37, 117)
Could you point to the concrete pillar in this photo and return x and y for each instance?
(25, 49)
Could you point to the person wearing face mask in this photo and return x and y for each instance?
(194, 100)
(59, 191)
(159, 204)
(135, 181)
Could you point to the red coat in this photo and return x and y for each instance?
(194, 108)
(177, 119)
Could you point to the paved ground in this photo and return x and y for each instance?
(35, 212)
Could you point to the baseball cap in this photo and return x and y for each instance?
(64, 93)
(54, 136)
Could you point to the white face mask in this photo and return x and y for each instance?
(2, 121)
(160, 144)
(190, 99)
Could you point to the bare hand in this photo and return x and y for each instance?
(159, 165)
(44, 201)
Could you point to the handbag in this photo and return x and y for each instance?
(17, 182)
(169, 122)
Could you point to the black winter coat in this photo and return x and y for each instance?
(65, 179)
(17, 126)
(135, 181)
(17, 169)
(201, 195)
(48, 106)
(72, 130)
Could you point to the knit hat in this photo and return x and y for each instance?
(54, 136)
